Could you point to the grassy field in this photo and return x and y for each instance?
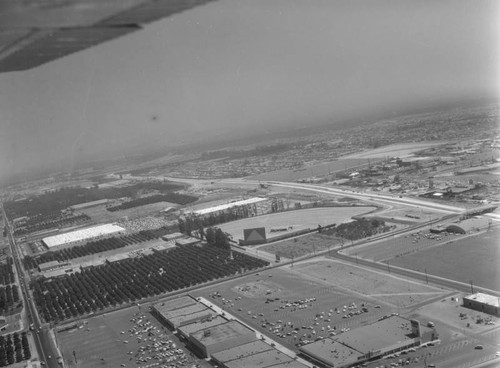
(300, 219)
(469, 258)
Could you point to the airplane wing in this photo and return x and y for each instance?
(34, 32)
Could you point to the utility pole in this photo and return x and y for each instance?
(426, 279)
(471, 287)
(388, 268)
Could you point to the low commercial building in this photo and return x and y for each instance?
(82, 206)
(211, 321)
(192, 315)
(381, 338)
(182, 311)
(332, 353)
(221, 337)
(61, 272)
(483, 303)
(261, 360)
(79, 237)
(52, 265)
(468, 225)
(238, 352)
(173, 236)
(117, 257)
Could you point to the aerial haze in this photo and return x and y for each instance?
(241, 66)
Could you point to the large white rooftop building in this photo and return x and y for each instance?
(226, 206)
(80, 236)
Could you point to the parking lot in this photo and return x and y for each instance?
(291, 309)
(127, 338)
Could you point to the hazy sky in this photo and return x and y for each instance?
(249, 63)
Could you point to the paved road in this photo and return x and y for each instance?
(41, 333)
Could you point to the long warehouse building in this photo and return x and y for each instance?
(79, 237)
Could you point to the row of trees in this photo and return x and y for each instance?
(7, 272)
(60, 221)
(130, 280)
(14, 349)
(170, 197)
(9, 298)
(59, 199)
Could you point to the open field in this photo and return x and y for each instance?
(394, 247)
(108, 342)
(397, 291)
(395, 150)
(320, 170)
(468, 258)
(301, 246)
(300, 219)
(99, 214)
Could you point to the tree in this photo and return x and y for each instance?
(221, 239)
(210, 235)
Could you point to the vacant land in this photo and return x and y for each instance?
(301, 246)
(386, 288)
(400, 246)
(395, 150)
(299, 220)
(320, 170)
(99, 214)
(469, 258)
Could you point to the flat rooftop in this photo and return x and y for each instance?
(241, 351)
(224, 332)
(225, 206)
(89, 204)
(291, 364)
(190, 309)
(484, 299)
(331, 352)
(83, 234)
(260, 360)
(170, 305)
(378, 335)
(187, 318)
(186, 330)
